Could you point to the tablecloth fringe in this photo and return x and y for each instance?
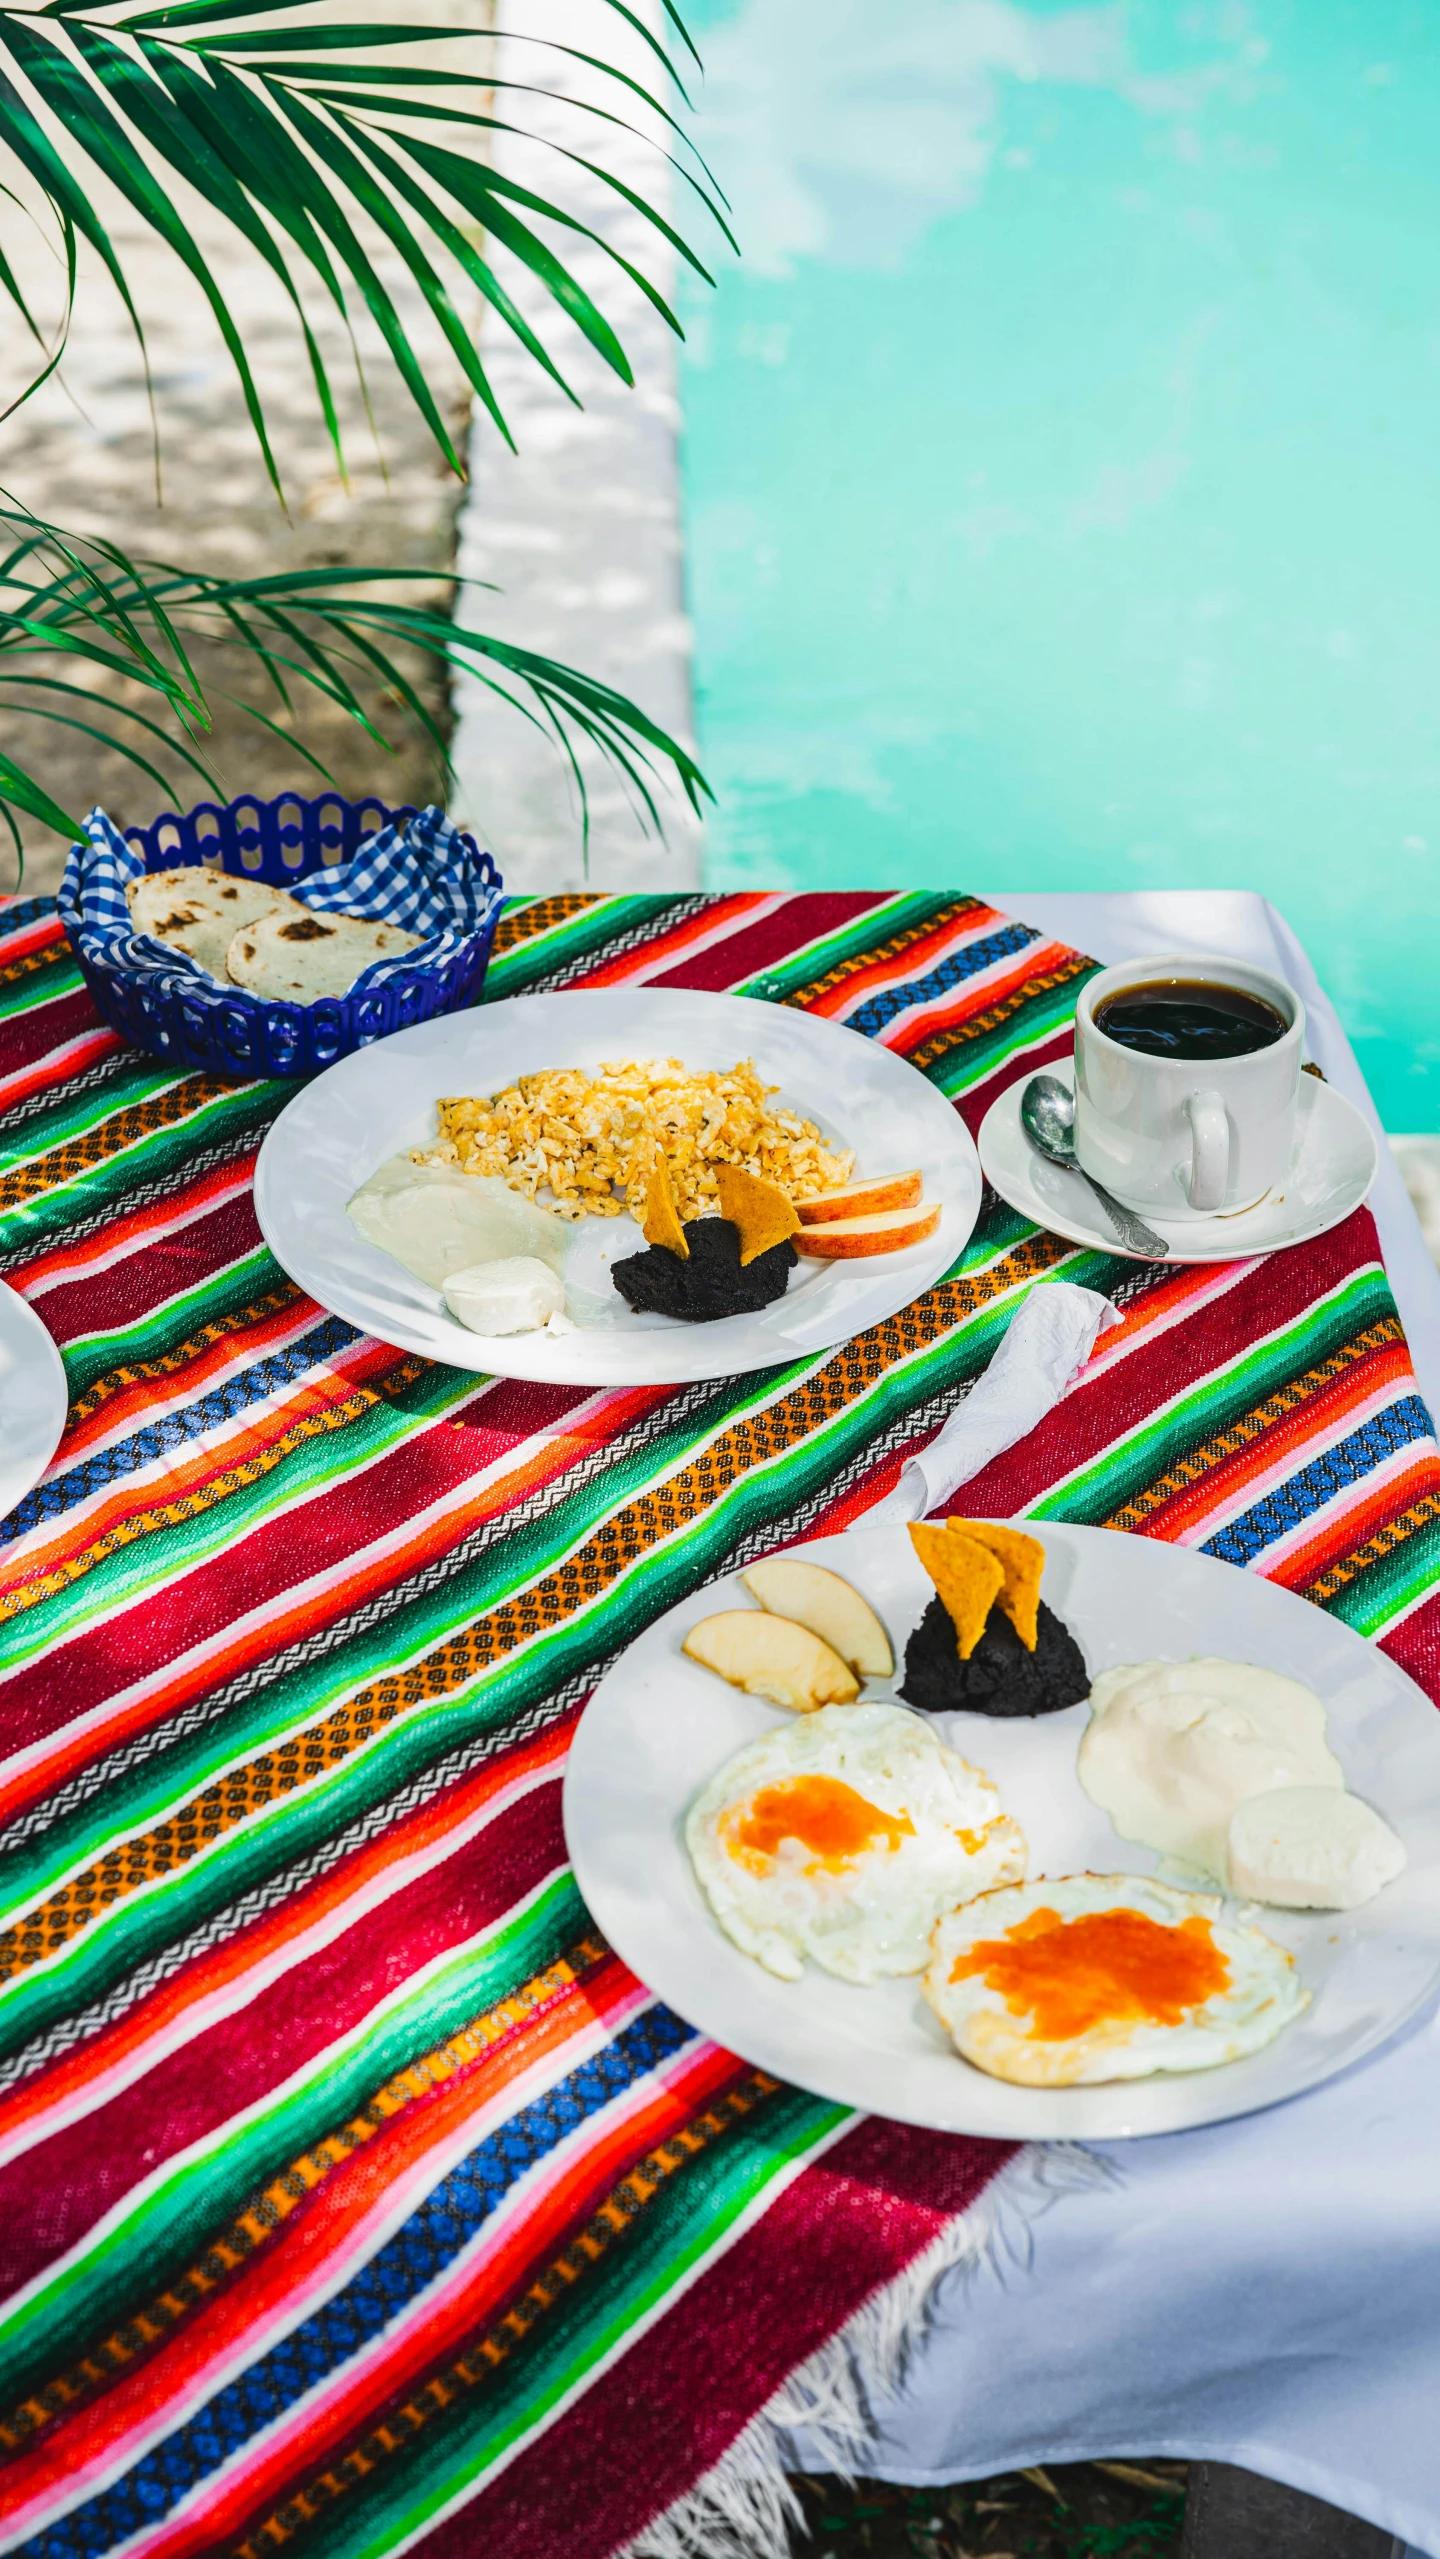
(745, 2506)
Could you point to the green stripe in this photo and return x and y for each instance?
(583, 936)
(908, 912)
(172, 1320)
(1215, 1402)
(161, 1156)
(125, 1935)
(686, 2225)
(976, 1056)
(49, 984)
(159, 1557)
(1386, 1590)
(164, 2230)
(72, 1115)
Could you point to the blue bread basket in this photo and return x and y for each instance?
(192, 1021)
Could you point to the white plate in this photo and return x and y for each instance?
(1335, 1163)
(332, 1136)
(34, 1398)
(658, 1726)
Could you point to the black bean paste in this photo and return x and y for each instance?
(711, 1283)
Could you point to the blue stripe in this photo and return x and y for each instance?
(880, 1011)
(159, 1439)
(1315, 1485)
(419, 2253)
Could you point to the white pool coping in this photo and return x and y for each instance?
(581, 529)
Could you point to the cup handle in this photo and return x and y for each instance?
(1210, 1163)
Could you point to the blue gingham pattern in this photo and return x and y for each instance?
(423, 876)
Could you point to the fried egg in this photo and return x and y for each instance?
(843, 1835)
(1080, 1978)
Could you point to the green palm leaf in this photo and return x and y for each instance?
(86, 603)
(286, 129)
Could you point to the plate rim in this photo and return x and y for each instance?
(562, 1360)
(1005, 1109)
(20, 1476)
(1322, 2068)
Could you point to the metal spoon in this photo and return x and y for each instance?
(1047, 1115)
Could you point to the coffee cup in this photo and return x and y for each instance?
(1187, 1083)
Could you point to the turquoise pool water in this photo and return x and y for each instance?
(1061, 464)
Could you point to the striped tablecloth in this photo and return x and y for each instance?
(352, 2193)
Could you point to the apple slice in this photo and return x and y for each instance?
(772, 1657)
(852, 1238)
(863, 1199)
(831, 1607)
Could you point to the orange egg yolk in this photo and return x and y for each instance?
(1113, 1967)
(822, 1813)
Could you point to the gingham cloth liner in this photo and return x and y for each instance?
(423, 876)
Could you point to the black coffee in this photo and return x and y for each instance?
(1190, 1018)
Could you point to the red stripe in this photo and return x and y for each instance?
(973, 1105)
(772, 938)
(17, 942)
(1277, 1292)
(1282, 1444)
(122, 1234)
(73, 1057)
(149, 1399)
(1415, 1645)
(929, 1016)
(621, 967)
(36, 1033)
(54, 2193)
(649, 2427)
(125, 1291)
(1355, 1518)
(904, 967)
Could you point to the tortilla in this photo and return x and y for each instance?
(301, 954)
(198, 910)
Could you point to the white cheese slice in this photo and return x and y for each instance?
(516, 1295)
(435, 1219)
(1172, 1748)
(1310, 1848)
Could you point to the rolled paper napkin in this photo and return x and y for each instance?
(1047, 1345)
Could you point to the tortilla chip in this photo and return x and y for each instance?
(1022, 1561)
(757, 1208)
(966, 1575)
(662, 1218)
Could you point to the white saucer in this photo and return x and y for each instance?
(1335, 1163)
(34, 1398)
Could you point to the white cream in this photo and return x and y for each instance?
(1172, 1750)
(437, 1221)
(514, 1295)
(1311, 1848)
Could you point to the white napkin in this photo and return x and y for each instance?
(1047, 1345)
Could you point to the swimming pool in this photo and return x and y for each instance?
(1060, 464)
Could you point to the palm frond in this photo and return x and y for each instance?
(293, 132)
(331, 630)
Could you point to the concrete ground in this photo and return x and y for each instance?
(80, 453)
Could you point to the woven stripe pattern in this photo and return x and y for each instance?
(353, 2194)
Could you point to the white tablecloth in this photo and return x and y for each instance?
(1263, 2292)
